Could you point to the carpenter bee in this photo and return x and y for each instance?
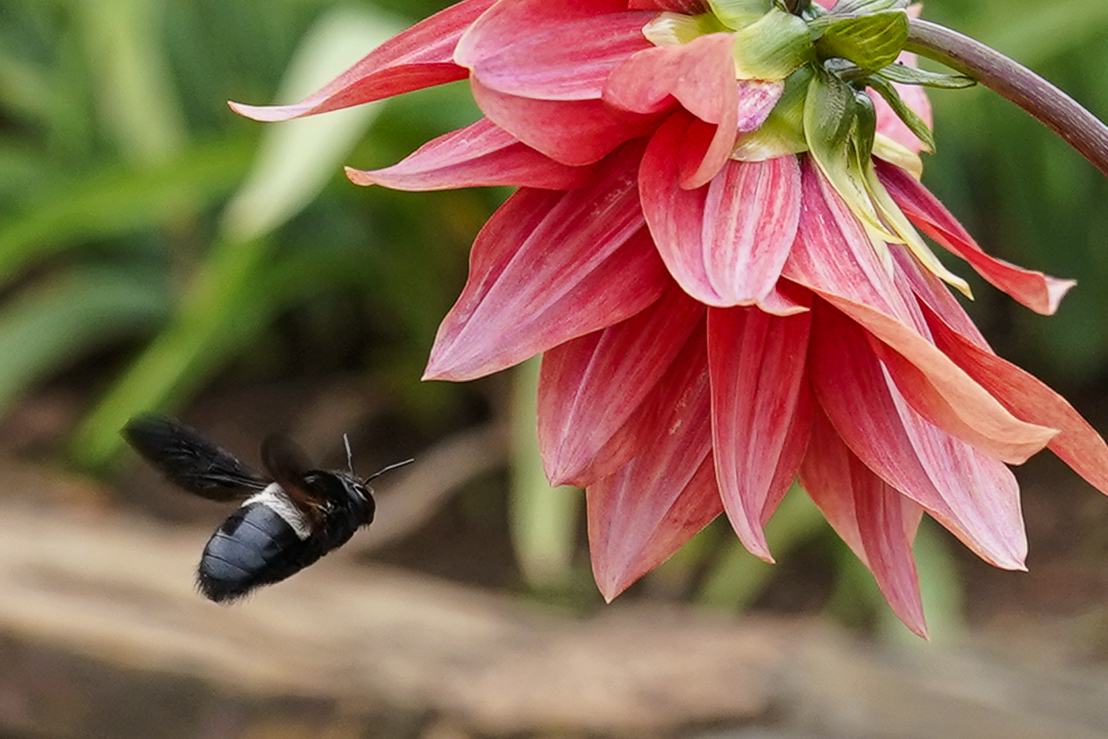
(286, 521)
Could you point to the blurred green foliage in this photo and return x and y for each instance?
(137, 213)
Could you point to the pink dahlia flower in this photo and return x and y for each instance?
(725, 301)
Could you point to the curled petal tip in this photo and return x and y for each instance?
(359, 177)
(1056, 289)
(265, 113)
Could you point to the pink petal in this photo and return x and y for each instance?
(573, 132)
(676, 217)
(479, 155)
(590, 386)
(833, 257)
(701, 76)
(933, 292)
(876, 521)
(569, 62)
(974, 496)
(547, 268)
(750, 220)
(1037, 291)
(757, 365)
(638, 516)
(421, 56)
(1077, 443)
(625, 549)
(511, 22)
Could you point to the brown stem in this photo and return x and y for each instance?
(1006, 77)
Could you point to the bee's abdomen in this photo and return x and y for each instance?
(254, 546)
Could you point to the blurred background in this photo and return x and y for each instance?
(158, 252)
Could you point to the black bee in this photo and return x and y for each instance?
(286, 522)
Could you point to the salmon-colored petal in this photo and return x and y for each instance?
(1078, 444)
(878, 523)
(479, 155)
(750, 220)
(590, 386)
(419, 57)
(1035, 290)
(833, 257)
(569, 62)
(511, 22)
(973, 495)
(668, 485)
(701, 76)
(757, 365)
(541, 273)
(573, 132)
(933, 292)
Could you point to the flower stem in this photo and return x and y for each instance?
(1006, 77)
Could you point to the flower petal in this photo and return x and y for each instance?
(878, 523)
(421, 56)
(1035, 290)
(833, 257)
(476, 156)
(574, 132)
(639, 515)
(590, 386)
(701, 76)
(750, 220)
(757, 365)
(974, 496)
(547, 268)
(569, 62)
(1077, 443)
(510, 22)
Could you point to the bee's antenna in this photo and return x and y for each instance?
(382, 471)
(349, 455)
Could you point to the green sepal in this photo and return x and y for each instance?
(906, 75)
(865, 128)
(831, 127)
(914, 123)
(866, 7)
(773, 47)
(871, 41)
(738, 14)
(671, 29)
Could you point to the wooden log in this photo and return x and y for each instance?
(103, 635)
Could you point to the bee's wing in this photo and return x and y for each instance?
(290, 467)
(189, 460)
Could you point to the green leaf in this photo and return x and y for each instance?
(119, 200)
(906, 75)
(297, 158)
(54, 324)
(871, 41)
(222, 311)
(736, 14)
(866, 7)
(915, 124)
(773, 47)
(543, 519)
